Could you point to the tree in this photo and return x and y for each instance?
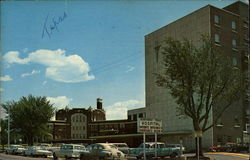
(201, 78)
(29, 116)
(3, 133)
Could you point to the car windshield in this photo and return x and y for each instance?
(113, 146)
(66, 147)
(79, 147)
(121, 145)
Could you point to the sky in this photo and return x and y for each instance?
(74, 52)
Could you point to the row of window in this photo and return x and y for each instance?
(217, 40)
(78, 128)
(136, 116)
(108, 126)
(78, 118)
(217, 21)
(236, 120)
(78, 136)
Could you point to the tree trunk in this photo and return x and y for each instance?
(200, 147)
(30, 140)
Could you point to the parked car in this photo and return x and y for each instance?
(68, 151)
(161, 150)
(12, 149)
(223, 148)
(177, 146)
(102, 151)
(240, 148)
(20, 150)
(37, 151)
(123, 147)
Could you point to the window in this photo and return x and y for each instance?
(236, 119)
(157, 49)
(141, 115)
(235, 61)
(234, 43)
(233, 25)
(248, 112)
(217, 38)
(122, 125)
(129, 117)
(219, 123)
(216, 19)
(135, 117)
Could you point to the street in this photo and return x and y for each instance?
(213, 156)
(227, 156)
(4, 156)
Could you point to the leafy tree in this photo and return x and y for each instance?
(201, 78)
(3, 134)
(29, 116)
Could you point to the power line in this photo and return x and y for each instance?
(117, 63)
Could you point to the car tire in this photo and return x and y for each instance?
(150, 156)
(173, 155)
(54, 156)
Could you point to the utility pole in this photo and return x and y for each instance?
(8, 129)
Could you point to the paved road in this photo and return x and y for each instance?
(4, 156)
(213, 156)
(227, 156)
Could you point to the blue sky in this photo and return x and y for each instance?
(96, 49)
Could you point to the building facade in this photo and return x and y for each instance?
(135, 114)
(73, 124)
(229, 29)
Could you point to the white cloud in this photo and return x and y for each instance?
(119, 110)
(13, 57)
(30, 74)
(129, 69)
(5, 78)
(60, 101)
(1, 89)
(61, 68)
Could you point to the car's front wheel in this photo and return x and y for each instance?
(54, 156)
(173, 155)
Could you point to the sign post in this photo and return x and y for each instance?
(155, 145)
(149, 126)
(144, 145)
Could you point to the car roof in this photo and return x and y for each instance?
(154, 143)
(105, 144)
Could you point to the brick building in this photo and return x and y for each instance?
(73, 124)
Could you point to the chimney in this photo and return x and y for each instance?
(99, 103)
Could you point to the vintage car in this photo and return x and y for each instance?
(123, 147)
(150, 149)
(37, 151)
(20, 150)
(68, 151)
(102, 151)
(177, 146)
(228, 147)
(12, 149)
